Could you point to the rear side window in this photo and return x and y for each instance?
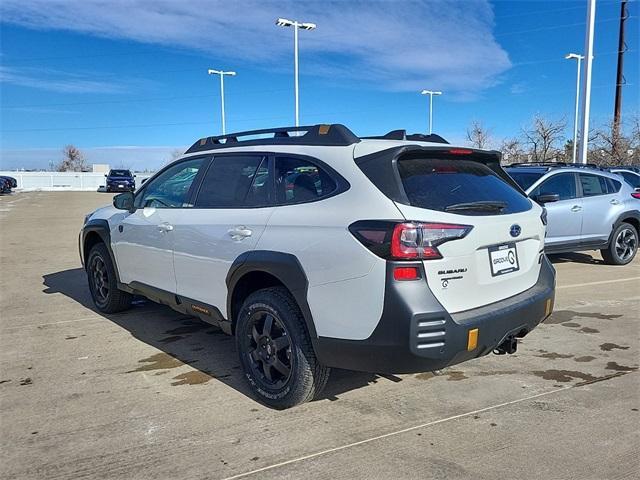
(630, 178)
(561, 184)
(524, 179)
(299, 181)
(593, 185)
(458, 185)
(235, 181)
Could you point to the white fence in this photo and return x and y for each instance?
(63, 181)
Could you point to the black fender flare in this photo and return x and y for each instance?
(101, 228)
(283, 266)
(635, 214)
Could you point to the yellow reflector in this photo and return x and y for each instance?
(472, 341)
(324, 129)
(547, 309)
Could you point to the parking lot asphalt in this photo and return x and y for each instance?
(151, 393)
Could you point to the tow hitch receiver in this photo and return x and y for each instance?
(509, 345)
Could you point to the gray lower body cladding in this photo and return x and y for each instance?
(416, 334)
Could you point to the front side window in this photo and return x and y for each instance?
(562, 184)
(593, 185)
(299, 181)
(171, 188)
(235, 181)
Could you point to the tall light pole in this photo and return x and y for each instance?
(222, 74)
(283, 22)
(586, 90)
(575, 117)
(431, 93)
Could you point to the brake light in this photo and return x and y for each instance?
(412, 241)
(636, 195)
(408, 240)
(460, 151)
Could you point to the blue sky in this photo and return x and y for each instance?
(127, 81)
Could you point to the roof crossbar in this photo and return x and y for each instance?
(323, 134)
(402, 135)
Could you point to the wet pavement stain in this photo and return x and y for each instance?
(455, 376)
(589, 330)
(586, 358)
(159, 361)
(619, 368)
(424, 376)
(571, 324)
(496, 372)
(195, 377)
(561, 316)
(554, 356)
(188, 326)
(563, 375)
(607, 347)
(173, 338)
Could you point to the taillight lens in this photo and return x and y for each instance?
(409, 240)
(543, 216)
(636, 195)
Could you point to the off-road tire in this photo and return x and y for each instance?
(307, 376)
(111, 299)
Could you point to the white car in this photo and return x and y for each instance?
(319, 249)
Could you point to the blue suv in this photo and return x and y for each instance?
(120, 181)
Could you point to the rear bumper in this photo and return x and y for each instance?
(416, 334)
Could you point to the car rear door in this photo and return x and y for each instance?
(564, 217)
(500, 256)
(144, 240)
(601, 206)
(232, 207)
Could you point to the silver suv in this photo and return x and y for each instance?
(587, 209)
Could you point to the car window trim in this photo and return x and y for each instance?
(189, 196)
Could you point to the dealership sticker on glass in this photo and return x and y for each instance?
(503, 259)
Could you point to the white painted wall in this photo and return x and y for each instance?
(63, 181)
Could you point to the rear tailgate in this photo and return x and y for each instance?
(500, 256)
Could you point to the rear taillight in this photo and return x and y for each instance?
(543, 216)
(409, 240)
(636, 195)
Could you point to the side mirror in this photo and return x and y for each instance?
(106, 175)
(124, 201)
(547, 198)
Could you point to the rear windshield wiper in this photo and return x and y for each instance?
(483, 206)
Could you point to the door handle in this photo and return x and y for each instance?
(576, 208)
(240, 232)
(165, 227)
(614, 202)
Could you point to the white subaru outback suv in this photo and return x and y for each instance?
(319, 249)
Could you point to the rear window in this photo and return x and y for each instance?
(524, 179)
(458, 186)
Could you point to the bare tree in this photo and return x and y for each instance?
(478, 135)
(542, 137)
(611, 146)
(512, 151)
(73, 160)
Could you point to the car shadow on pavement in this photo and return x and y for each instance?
(574, 257)
(186, 340)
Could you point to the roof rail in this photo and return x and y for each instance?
(402, 135)
(555, 165)
(323, 134)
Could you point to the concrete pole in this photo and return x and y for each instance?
(586, 92)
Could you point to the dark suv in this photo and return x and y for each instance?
(120, 181)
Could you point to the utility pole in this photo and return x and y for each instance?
(586, 91)
(620, 81)
(579, 58)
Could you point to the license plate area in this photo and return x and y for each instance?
(503, 259)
